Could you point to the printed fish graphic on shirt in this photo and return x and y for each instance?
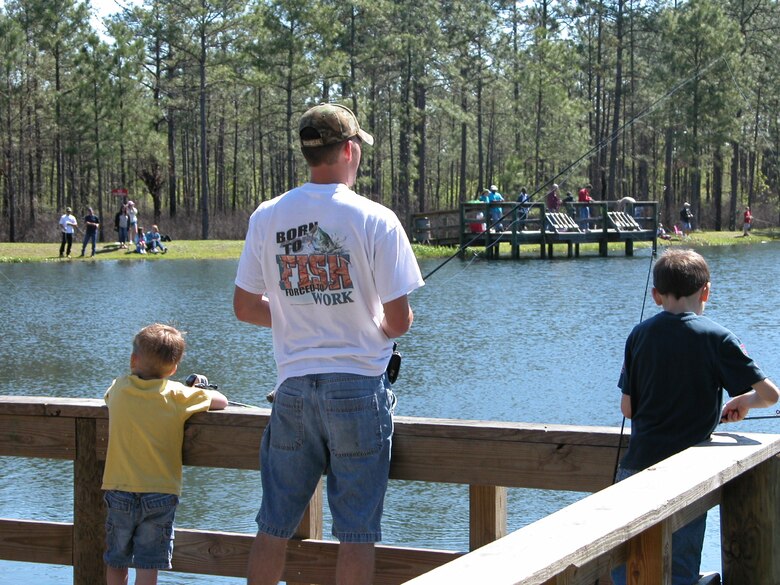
(322, 243)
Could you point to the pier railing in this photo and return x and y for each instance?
(628, 522)
(476, 224)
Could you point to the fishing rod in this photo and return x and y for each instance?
(201, 381)
(764, 417)
(641, 317)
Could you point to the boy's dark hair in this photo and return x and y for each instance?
(319, 155)
(680, 273)
(160, 348)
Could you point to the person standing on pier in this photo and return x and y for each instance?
(142, 478)
(553, 200)
(583, 196)
(524, 200)
(675, 367)
(496, 212)
(329, 272)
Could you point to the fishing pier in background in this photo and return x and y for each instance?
(524, 224)
(631, 521)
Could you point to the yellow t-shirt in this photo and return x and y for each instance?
(146, 431)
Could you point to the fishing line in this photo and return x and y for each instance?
(641, 316)
(474, 258)
(8, 279)
(750, 108)
(566, 171)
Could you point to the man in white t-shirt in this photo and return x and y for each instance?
(329, 271)
(68, 225)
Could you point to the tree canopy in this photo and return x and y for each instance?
(192, 105)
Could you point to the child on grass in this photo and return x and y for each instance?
(142, 478)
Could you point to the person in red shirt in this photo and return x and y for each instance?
(583, 196)
(747, 223)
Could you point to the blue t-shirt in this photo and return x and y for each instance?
(675, 369)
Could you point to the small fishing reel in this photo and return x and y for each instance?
(199, 381)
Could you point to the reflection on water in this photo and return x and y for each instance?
(534, 341)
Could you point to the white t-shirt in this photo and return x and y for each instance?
(66, 223)
(327, 259)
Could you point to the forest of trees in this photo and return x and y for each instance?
(192, 105)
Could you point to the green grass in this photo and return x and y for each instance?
(187, 249)
(231, 249)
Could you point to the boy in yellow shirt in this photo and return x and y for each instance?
(142, 478)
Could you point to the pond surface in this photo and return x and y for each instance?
(530, 340)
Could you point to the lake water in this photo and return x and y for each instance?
(531, 340)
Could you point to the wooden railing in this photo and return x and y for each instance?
(630, 521)
(530, 223)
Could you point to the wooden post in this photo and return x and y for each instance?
(750, 526)
(88, 507)
(487, 514)
(650, 557)
(629, 247)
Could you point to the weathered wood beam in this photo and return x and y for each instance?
(32, 541)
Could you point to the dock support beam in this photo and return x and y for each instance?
(88, 507)
(650, 557)
(487, 514)
(749, 517)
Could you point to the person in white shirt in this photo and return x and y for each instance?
(68, 226)
(329, 272)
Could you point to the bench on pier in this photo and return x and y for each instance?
(562, 223)
(623, 222)
(564, 231)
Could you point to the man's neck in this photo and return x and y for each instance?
(328, 174)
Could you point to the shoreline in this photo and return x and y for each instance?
(231, 249)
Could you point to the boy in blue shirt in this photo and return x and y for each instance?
(676, 365)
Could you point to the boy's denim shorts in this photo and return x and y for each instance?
(339, 424)
(139, 529)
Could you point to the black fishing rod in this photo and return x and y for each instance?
(768, 416)
(641, 317)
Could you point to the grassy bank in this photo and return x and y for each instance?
(231, 249)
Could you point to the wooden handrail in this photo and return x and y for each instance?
(485, 455)
(633, 521)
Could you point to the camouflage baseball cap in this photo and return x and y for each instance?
(333, 123)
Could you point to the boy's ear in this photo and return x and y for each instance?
(705, 292)
(657, 297)
(173, 370)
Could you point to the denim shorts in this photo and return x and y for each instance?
(139, 529)
(335, 424)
